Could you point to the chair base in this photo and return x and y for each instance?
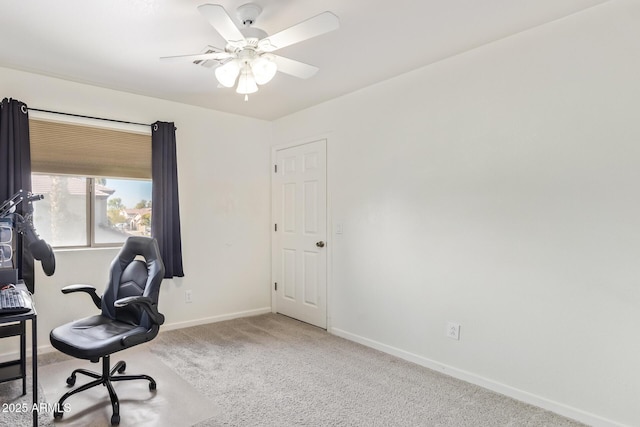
(105, 379)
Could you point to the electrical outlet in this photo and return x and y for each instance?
(452, 331)
(188, 297)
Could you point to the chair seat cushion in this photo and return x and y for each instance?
(97, 336)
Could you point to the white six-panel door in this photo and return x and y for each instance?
(299, 254)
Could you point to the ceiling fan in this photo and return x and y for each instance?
(247, 58)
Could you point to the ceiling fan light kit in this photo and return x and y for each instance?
(246, 83)
(227, 73)
(264, 68)
(247, 57)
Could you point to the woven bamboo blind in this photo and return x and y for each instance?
(64, 148)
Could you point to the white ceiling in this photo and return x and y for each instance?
(116, 43)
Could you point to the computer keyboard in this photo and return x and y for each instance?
(14, 301)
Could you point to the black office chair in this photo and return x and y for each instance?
(129, 317)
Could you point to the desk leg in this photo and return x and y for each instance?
(34, 359)
(23, 355)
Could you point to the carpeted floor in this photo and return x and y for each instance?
(140, 407)
(274, 371)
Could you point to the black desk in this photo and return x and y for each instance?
(17, 369)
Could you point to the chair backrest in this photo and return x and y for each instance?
(131, 276)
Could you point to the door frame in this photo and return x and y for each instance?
(329, 238)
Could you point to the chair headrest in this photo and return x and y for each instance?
(147, 247)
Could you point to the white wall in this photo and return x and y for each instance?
(223, 172)
(499, 189)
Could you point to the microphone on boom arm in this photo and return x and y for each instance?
(40, 249)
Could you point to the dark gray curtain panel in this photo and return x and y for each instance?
(15, 171)
(165, 220)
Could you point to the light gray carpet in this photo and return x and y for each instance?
(139, 406)
(274, 371)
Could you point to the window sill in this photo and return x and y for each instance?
(68, 249)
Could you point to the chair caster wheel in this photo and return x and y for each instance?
(115, 420)
(122, 368)
(71, 380)
(152, 385)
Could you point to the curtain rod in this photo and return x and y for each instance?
(89, 117)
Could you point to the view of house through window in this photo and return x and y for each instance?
(89, 211)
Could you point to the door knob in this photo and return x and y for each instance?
(320, 244)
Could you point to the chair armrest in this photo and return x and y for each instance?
(145, 303)
(91, 290)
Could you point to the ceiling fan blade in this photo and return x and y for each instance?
(312, 27)
(197, 57)
(295, 68)
(222, 22)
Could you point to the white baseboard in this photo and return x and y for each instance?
(521, 395)
(214, 319)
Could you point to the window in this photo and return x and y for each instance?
(74, 168)
(123, 205)
(89, 211)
